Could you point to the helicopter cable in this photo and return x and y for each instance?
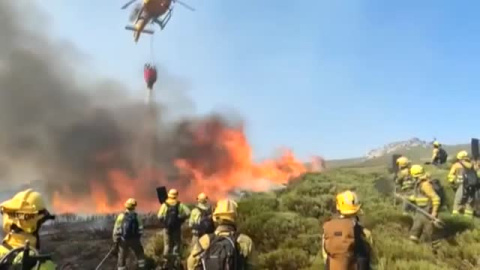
(152, 52)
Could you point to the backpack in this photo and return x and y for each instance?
(172, 220)
(438, 188)
(470, 179)
(344, 245)
(442, 155)
(206, 225)
(130, 226)
(223, 253)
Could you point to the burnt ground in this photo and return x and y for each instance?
(85, 249)
(82, 244)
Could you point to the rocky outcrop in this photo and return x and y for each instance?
(395, 146)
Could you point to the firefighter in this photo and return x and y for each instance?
(404, 180)
(427, 199)
(346, 245)
(201, 220)
(23, 216)
(172, 214)
(461, 171)
(212, 247)
(127, 232)
(439, 155)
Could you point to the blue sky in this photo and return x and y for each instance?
(334, 78)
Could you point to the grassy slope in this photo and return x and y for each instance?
(286, 225)
(416, 154)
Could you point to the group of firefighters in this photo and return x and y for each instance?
(216, 243)
(423, 195)
(212, 230)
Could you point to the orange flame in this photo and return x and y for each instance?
(236, 171)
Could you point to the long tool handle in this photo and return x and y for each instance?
(419, 209)
(106, 257)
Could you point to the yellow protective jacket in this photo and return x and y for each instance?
(48, 265)
(455, 174)
(117, 228)
(245, 244)
(425, 196)
(183, 210)
(196, 215)
(366, 236)
(435, 153)
(404, 179)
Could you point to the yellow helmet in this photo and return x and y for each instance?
(348, 203)
(131, 203)
(403, 161)
(436, 144)
(26, 202)
(417, 171)
(172, 193)
(462, 155)
(202, 198)
(26, 211)
(226, 210)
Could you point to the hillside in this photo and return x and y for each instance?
(417, 153)
(286, 227)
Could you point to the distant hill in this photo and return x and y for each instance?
(396, 146)
(416, 154)
(415, 149)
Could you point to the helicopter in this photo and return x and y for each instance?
(150, 11)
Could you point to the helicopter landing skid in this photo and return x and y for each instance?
(146, 31)
(162, 23)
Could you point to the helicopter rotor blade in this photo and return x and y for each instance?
(128, 4)
(184, 5)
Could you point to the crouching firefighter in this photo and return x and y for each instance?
(23, 216)
(226, 248)
(201, 220)
(428, 202)
(464, 179)
(127, 232)
(439, 155)
(346, 244)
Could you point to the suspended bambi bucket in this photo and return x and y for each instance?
(150, 75)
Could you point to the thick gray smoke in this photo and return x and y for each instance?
(61, 131)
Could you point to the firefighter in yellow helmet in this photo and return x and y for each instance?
(462, 178)
(23, 216)
(212, 248)
(172, 214)
(127, 232)
(201, 220)
(346, 245)
(427, 199)
(439, 155)
(404, 180)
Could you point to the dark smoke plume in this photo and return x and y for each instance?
(55, 128)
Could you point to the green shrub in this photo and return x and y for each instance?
(285, 225)
(284, 259)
